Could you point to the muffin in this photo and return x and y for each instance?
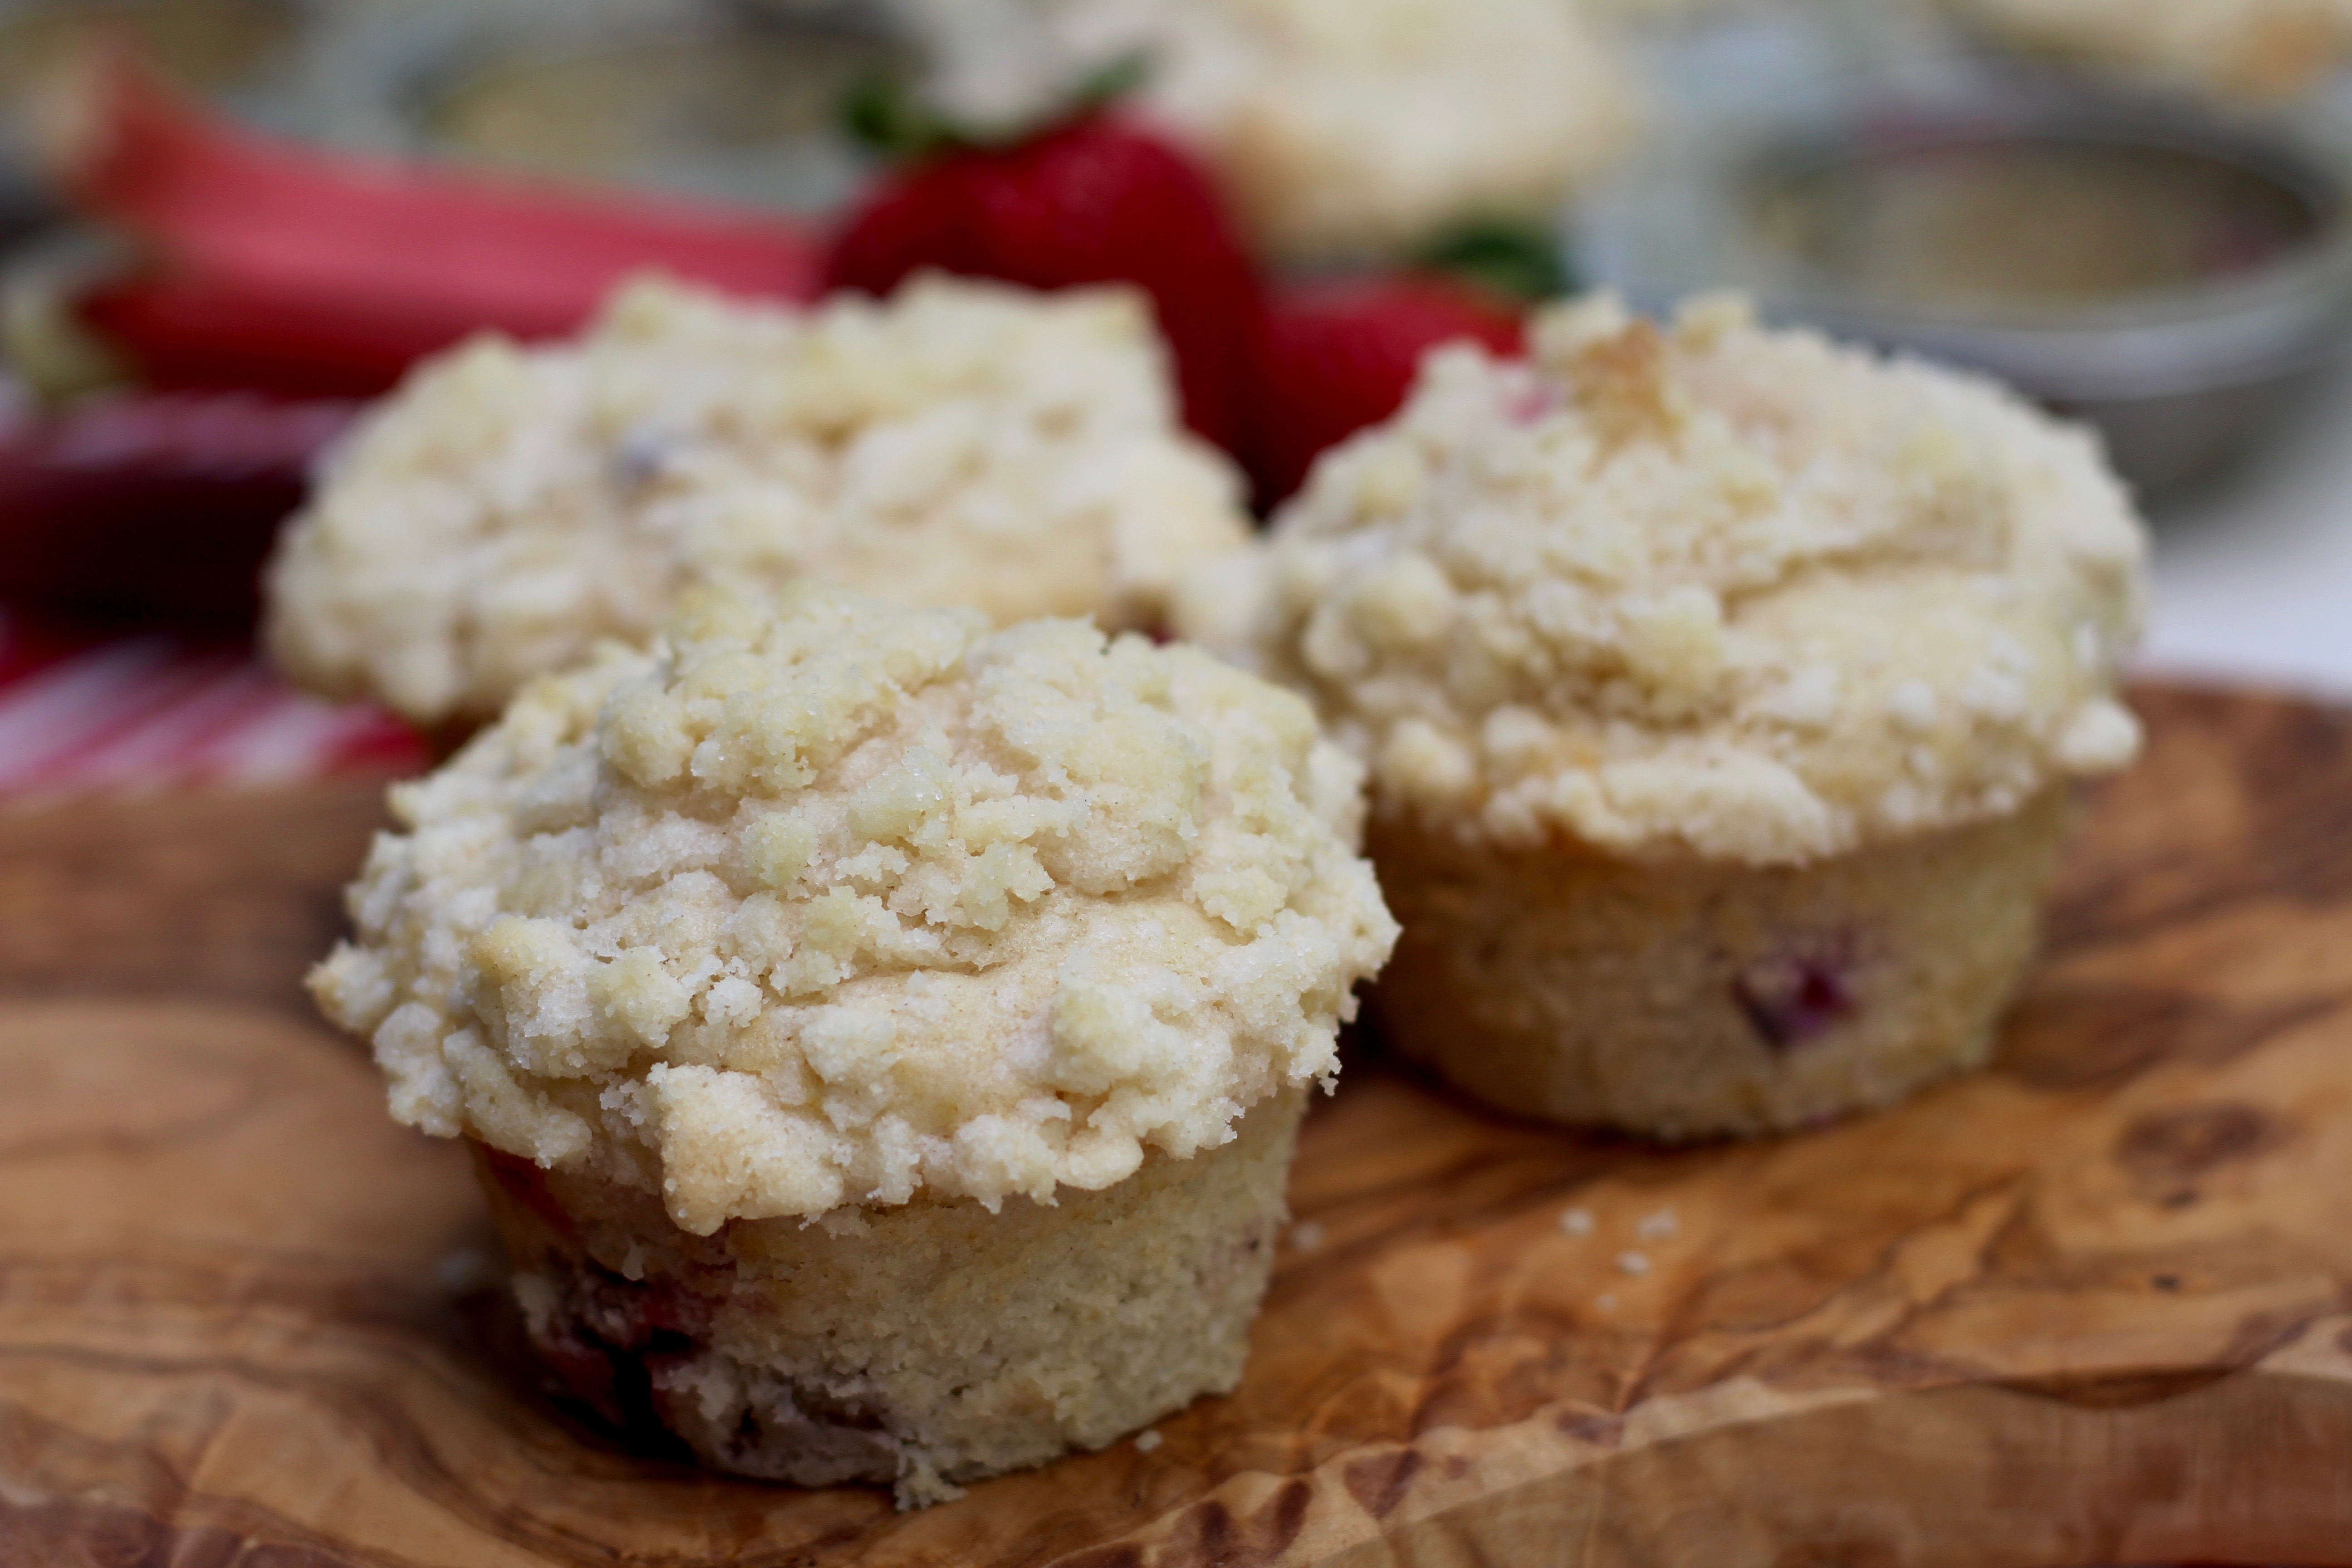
(2235, 49)
(1721, 689)
(882, 1039)
(1340, 128)
(962, 444)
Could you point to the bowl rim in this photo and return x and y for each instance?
(1673, 225)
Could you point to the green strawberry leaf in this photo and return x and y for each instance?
(1516, 259)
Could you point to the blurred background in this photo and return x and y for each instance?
(226, 223)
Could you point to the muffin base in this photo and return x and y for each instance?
(920, 1345)
(1695, 999)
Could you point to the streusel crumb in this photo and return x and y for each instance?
(822, 904)
(1699, 589)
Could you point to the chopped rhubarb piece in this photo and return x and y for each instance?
(284, 255)
(1793, 997)
(153, 509)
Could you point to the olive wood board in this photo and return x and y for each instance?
(2092, 1305)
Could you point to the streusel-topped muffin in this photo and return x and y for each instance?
(2238, 48)
(1720, 688)
(1347, 128)
(960, 444)
(883, 1037)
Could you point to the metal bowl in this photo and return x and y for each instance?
(2172, 274)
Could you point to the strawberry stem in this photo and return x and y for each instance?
(1517, 260)
(882, 114)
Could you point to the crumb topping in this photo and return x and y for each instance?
(827, 904)
(962, 444)
(1706, 588)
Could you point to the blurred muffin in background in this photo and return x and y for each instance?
(1647, 11)
(2240, 48)
(1340, 128)
(1722, 691)
(959, 444)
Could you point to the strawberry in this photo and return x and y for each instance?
(1339, 355)
(1094, 200)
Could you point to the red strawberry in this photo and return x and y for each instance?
(1094, 201)
(1341, 355)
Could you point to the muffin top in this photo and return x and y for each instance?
(1705, 589)
(1351, 126)
(2239, 49)
(962, 444)
(820, 903)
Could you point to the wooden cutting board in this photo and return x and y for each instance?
(2092, 1306)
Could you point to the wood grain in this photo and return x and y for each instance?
(2092, 1306)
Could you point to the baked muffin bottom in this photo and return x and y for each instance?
(920, 1345)
(1690, 1000)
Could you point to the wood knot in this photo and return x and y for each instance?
(1600, 1430)
(2165, 1149)
(1847, 1551)
(1378, 1483)
(1208, 1535)
(2118, 1391)
(1125, 1554)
